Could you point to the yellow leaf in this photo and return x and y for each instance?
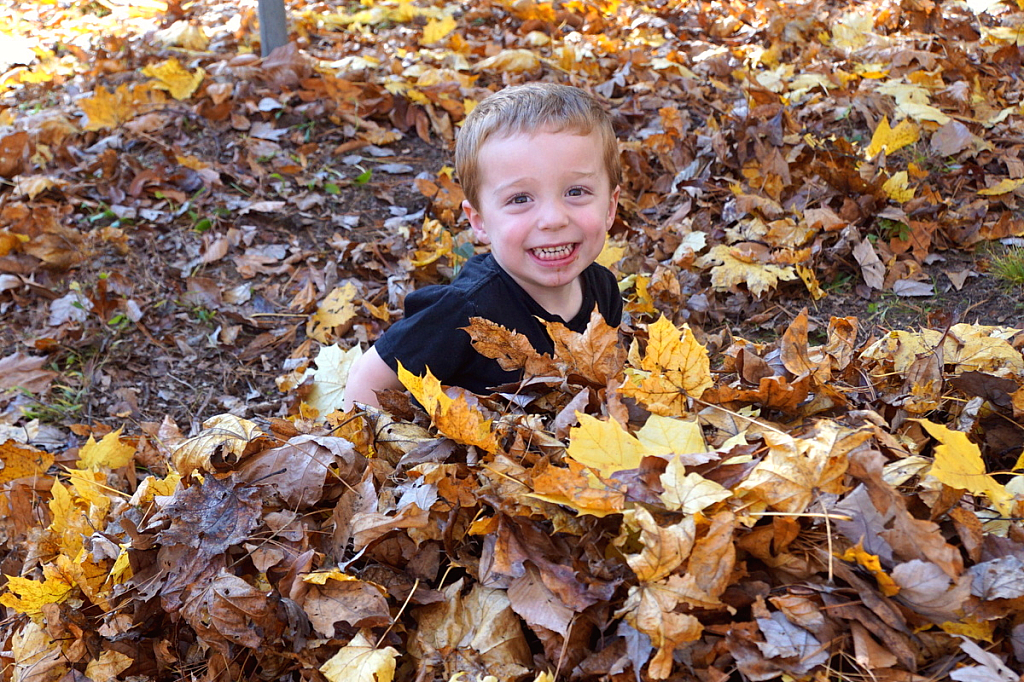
(670, 436)
(797, 469)
(611, 252)
(731, 271)
(108, 666)
(689, 492)
(871, 562)
(18, 461)
(109, 453)
(890, 139)
(665, 547)
(811, 282)
(896, 188)
(330, 377)
(321, 577)
(37, 657)
(577, 487)
(1004, 186)
(605, 447)
(28, 596)
(958, 464)
(452, 417)
(107, 109)
(175, 78)
(359, 661)
(335, 310)
(437, 29)
(152, 487)
(510, 61)
(122, 568)
(674, 366)
(224, 436)
(983, 630)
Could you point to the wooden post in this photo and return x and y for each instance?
(273, 25)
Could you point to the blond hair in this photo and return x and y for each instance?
(530, 108)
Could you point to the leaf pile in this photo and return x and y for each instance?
(678, 504)
(805, 511)
(166, 190)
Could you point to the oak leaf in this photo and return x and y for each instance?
(511, 349)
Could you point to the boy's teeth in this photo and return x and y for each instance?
(553, 252)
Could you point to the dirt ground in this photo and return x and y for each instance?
(175, 363)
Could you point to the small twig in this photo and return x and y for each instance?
(399, 614)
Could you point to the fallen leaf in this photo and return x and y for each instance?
(360, 661)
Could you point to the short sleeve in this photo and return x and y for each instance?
(429, 335)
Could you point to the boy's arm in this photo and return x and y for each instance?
(369, 373)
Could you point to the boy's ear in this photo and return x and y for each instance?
(613, 205)
(476, 221)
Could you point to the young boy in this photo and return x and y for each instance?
(539, 164)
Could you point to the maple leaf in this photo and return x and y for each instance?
(664, 436)
(574, 487)
(330, 377)
(512, 350)
(334, 597)
(595, 355)
(452, 417)
(224, 439)
(106, 109)
(890, 139)
(174, 78)
(438, 29)
(796, 469)
(959, 465)
(674, 367)
(336, 310)
(665, 547)
(19, 461)
(650, 608)
(29, 596)
(36, 655)
(109, 453)
(730, 268)
(360, 661)
(604, 446)
(108, 666)
(689, 492)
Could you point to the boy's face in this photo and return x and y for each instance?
(545, 205)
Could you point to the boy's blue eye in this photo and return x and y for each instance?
(576, 191)
(520, 199)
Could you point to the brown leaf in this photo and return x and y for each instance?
(334, 597)
(227, 611)
(511, 349)
(211, 517)
(298, 471)
(596, 354)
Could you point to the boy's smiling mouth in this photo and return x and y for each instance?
(553, 253)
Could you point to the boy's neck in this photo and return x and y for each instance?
(565, 301)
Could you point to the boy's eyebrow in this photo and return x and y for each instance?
(510, 184)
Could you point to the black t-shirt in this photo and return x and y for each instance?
(430, 334)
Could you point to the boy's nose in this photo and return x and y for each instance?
(551, 216)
